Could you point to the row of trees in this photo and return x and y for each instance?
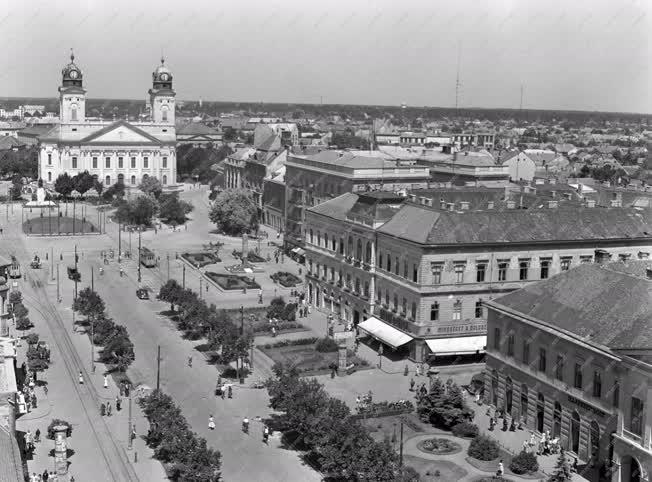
(337, 443)
(82, 183)
(234, 212)
(118, 350)
(19, 311)
(197, 319)
(141, 209)
(186, 456)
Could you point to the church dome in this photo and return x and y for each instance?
(72, 71)
(162, 73)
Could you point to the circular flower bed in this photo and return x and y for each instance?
(439, 446)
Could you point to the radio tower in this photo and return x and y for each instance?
(457, 78)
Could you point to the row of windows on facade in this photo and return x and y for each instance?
(107, 162)
(73, 114)
(107, 179)
(355, 285)
(559, 372)
(437, 267)
(635, 419)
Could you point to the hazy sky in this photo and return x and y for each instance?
(569, 54)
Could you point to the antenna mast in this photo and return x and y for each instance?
(457, 77)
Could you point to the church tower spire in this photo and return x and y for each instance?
(161, 95)
(72, 96)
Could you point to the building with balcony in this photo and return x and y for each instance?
(573, 355)
(425, 270)
(111, 151)
(313, 179)
(11, 466)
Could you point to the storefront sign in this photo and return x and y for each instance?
(586, 406)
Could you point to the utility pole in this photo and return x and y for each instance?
(158, 369)
(92, 345)
(139, 231)
(76, 271)
(130, 445)
(400, 450)
(184, 276)
(241, 320)
(119, 241)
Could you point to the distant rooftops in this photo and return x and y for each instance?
(355, 159)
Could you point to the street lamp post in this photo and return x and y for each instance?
(76, 271)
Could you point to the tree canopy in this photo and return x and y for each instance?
(151, 185)
(173, 209)
(83, 181)
(137, 211)
(64, 184)
(234, 212)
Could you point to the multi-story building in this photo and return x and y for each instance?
(573, 355)
(112, 152)
(11, 465)
(425, 269)
(464, 167)
(198, 134)
(312, 179)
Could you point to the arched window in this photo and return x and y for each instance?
(121, 178)
(164, 114)
(358, 253)
(133, 180)
(318, 238)
(366, 289)
(326, 240)
(556, 420)
(107, 181)
(334, 243)
(389, 263)
(367, 253)
(357, 285)
(312, 237)
(395, 302)
(396, 266)
(509, 395)
(349, 247)
(73, 113)
(165, 179)
(524, 402)
(49, 176)
(380, 260)
(414, 311)
(341, 245)
(541, 411)
(575, 432)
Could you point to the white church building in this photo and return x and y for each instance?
(111, 151)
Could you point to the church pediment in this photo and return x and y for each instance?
(119, 133)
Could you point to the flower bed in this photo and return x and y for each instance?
(439, 446)
(384, 407)
(286, 279)
(199, 260)
(231, 282)
(301, 353)
(251, 256)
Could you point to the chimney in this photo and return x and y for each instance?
(490, 205)
(511, 204)
(590, 203)
(464, 205)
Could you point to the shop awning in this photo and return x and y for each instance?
(465, 345)
(385, 332)
(298, 251)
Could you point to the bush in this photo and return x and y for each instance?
(326, 344)
(56, 422)
(466, 429)
(32, 339)
(524, 463)
(230, 372)
(298, 341)
(483, 448)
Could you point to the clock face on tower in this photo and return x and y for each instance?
(73, 74)
(164, 77)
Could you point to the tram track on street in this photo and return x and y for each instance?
(114, 456)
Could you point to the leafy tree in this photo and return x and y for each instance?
(37, 364)
(64, 184)
(89, 303)
(119, 350)
(484, 448)
(138, 211)
(54, 423)
(444, 406)
(152, 186)
(16, 189)
(171, 292)
(562, 471)
(173, 209)
(15, 297)
(234, 212)
(21, 313)
(98, 186)
(82, 182)
(117, 190)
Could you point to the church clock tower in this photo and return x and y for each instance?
(161, 95)
(72, 96)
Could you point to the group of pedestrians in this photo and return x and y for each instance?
(45, 477)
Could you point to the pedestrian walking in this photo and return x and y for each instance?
(118, 403)
(501, 469)
(37, 435)
(108, 409)
(412, 384)
(265, 434)
(81, 378)
(34, 400)
(211, 422)
(106, 382)
(102, 409)
(46, 476)
(230, 392)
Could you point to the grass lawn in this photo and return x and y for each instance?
(199, 260)
(435, 470)
(232, 282)
(308, 360)
(381, 428)
(54, 226)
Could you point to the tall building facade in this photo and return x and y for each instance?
(573, 355)
(111, 151)
(424, 272)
